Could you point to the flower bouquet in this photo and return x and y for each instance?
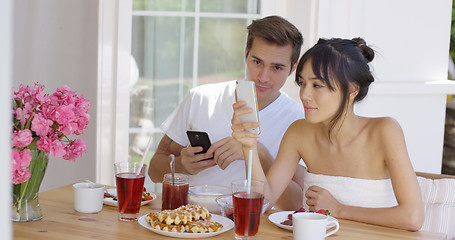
(41, 126)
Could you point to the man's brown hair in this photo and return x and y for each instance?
(276, 30)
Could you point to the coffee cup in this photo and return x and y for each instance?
(313, 226)
(88, 197)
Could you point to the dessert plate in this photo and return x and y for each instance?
(227, 223)
(279, 217)
(112, 202)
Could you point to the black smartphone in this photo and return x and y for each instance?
(201, 139)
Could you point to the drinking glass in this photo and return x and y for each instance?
(129, 189)
(247, 207)
(175, 191)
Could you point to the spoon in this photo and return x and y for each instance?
(106, 192)
(172, 163)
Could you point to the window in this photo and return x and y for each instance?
(176, 45)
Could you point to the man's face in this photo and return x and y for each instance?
(268, 65)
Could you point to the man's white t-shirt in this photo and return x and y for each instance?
(208, 108)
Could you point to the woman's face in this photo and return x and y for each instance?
(320, 103)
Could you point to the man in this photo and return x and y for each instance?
(272, 50)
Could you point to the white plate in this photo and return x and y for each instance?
(279, 217)
(112, 202)
(227, 223)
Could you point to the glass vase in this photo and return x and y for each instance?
(25, 195)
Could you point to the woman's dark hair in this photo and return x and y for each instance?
(276, 30)
(341, 62)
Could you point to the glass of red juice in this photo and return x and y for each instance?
(175, 191)
(130, 186)
(247, 202)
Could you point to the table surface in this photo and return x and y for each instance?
(61, 221)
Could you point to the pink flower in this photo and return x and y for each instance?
(64, 114)
(22, 138)
(75, 150)
(19, 165)
(69, 128)
(50, 119)
(40, 125)
(82, 123)
(57, 149)
(21, 93)
(18, 113)
(82, 105)
(44, 143)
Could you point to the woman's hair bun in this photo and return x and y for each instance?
(367, 52)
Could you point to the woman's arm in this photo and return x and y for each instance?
(292, 197)
(282, 170)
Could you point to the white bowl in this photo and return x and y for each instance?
(205, 195)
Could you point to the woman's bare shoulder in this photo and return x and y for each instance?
(385, 126)
(300, 125)
(385, 122)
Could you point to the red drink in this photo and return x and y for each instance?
(174, 196)
(129, 193)
(247, 212)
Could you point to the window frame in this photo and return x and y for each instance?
(115, 33)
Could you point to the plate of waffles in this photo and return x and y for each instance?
(182, 224)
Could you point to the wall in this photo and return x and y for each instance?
(412, 43)
(55, 43)
(5, 109)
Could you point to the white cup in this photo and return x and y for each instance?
(88, 197)
(313, 226)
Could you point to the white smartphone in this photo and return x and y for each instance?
(246, 91)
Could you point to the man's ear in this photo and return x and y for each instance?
(246, 53)
(292, 69)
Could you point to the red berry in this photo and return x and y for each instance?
(287, 222)
(302, 209)
(322, 211)
(290, 216)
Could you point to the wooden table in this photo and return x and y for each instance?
(61, 221)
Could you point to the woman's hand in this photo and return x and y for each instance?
(239, 132)
(319, 198)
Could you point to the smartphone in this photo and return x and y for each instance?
(246, 91)
(201, 139)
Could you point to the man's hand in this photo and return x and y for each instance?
(186, 159)
(225, 151)
(191, 160)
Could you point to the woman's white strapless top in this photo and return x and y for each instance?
(353, 191)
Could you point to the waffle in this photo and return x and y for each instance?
(203, 226)
(197, 212)
(177, 217)
(152, 218)
(189, 218)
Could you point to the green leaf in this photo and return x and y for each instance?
(29, 122)
(37, 168)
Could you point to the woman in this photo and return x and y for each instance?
(358, 168)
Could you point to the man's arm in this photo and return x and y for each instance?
(292, 197)
(159, 164)
(186, 159)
